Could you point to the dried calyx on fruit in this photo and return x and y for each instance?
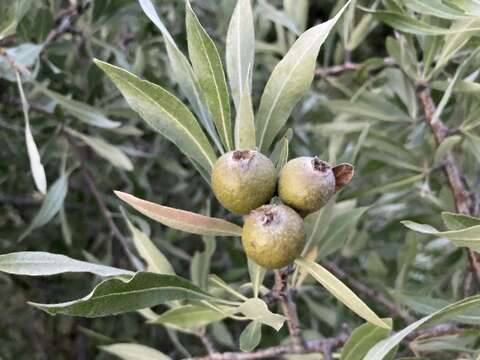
(243, 180)
(308, 183)
(273, 236)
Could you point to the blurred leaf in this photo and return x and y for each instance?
(81, 111)
(51, 205)
(445, 146)
(381, 349)
(410, 25)
(164, 112)
(38, 172)
(289, 81)
(126, 351)
(24, 56)
(37, 263)
(181, 219)
(251, 336)
(342, 292)
(209, 71)
(362, 340)
(117, 295)
(156, 261)
(240, 54)
(12, 13)
(277, 16)
(105, 150)
(435, 8)
(466, 237)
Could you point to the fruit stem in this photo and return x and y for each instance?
(289, 308)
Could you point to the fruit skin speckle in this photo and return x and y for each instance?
(243, 180)
(306, 184)
(273, 236)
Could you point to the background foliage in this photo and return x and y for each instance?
(367, 106)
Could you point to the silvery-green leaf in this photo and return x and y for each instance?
(240, 51)
(119, 295)
(362, 339)
(256, 309)
(208, 68)
(37, 263)
(435, 8)
(127, 351)
(200, 265)
(183, 73)
(341, 292)
(38, 172)
(251, 336)
(180, 219)
(466, 237)
(156, 261)
(455, 221)
(297, 10)
(12, 13)
(191, 316)
(244, 122)
(83, 112)
(381, 349)
(51, 204)
(289, 81)
(106, 150)
(164, 112)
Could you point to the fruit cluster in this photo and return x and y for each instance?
(273, 235)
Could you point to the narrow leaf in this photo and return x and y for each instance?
(208, 68)
(244, 122)
(341, 292)
(117, 295)
(257, 274)
(51, 205)
(362, 340)
(190, 316)
(181, 219)
(445, 146)
(289, 81)
(257, 309)
(240, 51)
(37, 263)
(38, 172)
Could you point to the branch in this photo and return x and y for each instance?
(65, 21)
(379, 298)
(312, 346)
(101, 204)
(289, 308)
(207, 343)
(440, 132)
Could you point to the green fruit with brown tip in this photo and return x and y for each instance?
(273, 236)
(243, 180)
(306, 184)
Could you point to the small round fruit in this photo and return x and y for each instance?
(273, 236)
(306, 184)
(243, 180)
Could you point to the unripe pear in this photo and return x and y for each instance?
(306, 184)
(273, 236)
(243, 180)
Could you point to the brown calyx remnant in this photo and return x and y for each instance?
(242, 155)
(319, 165)
(268, 215)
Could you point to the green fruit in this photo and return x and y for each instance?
(306, 184)
(243, 180)
(273, 236)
